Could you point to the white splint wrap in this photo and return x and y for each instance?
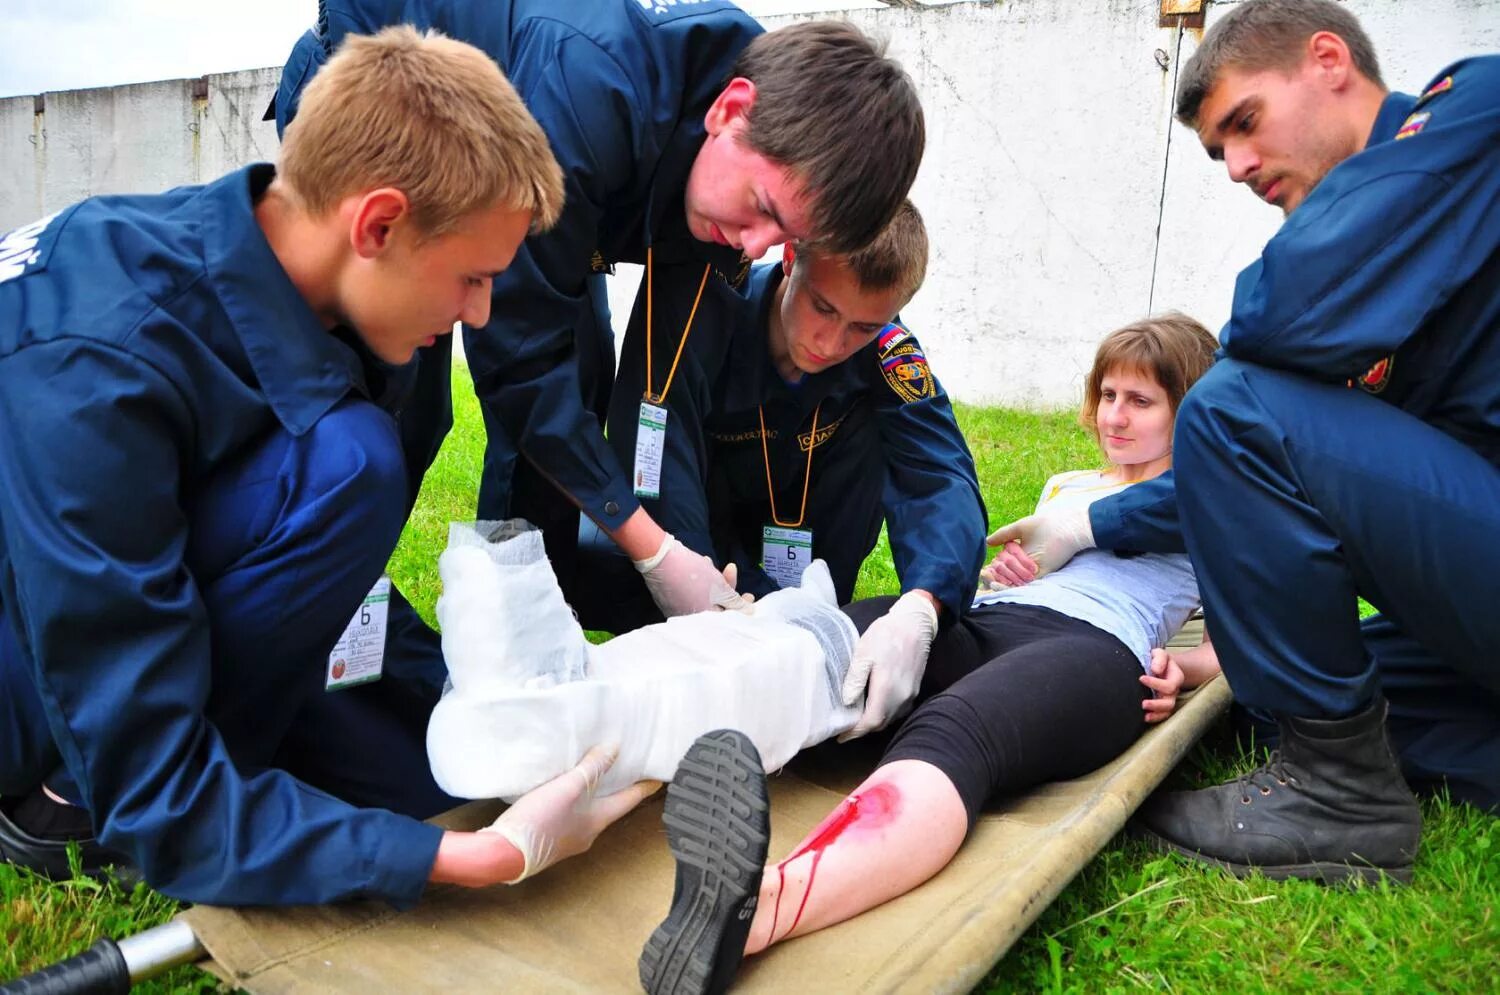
(519, 712)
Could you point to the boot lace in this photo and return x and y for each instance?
(1261, 778)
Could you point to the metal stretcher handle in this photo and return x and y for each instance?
(110, 968)
(99, 970)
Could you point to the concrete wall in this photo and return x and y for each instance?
(1061, 198)
(147, 136)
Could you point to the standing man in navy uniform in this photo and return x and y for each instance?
(797, 421)
(674, 123)
(1347, 443)
(201, 480)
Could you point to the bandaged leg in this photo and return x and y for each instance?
(504, 621)
(508, 725)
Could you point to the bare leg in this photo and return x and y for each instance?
(898, 828)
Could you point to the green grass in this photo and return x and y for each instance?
(1131, 920)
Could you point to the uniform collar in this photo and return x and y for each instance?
(302, 369)
(1393, 111)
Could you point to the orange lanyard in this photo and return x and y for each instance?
(812, 441)
(662, 397)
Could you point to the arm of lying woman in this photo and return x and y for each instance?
(1172, 673)
(1011, 567)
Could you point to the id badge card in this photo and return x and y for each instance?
(785, 553)
(650, 441)
(359, 655)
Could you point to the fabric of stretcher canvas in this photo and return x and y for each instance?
(520, 711)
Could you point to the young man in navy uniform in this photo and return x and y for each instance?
(1347, 443)
(797, 421)
(202, 478)
(676, 124)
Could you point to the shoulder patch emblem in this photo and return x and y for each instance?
(1413, 124)
(1441, 86)
(904, 365)
(1378, 376)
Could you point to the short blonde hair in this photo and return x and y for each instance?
(431, 116)
(896, 259)
(1171, 348)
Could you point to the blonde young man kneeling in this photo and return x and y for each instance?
(202, 476)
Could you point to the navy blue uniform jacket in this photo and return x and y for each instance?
(934, 513)
(144, 343)
(1386, 277)
(621, 88)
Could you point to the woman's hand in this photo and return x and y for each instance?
(1011, 567)
(1166, 679)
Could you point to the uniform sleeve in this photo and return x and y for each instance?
(116, 629)
(1382, 243)
(934, 513)
(525, 362)
(1141, 518)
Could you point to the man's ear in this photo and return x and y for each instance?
(788, 258)
(1330, 56)
(377, 214)
(734, 101)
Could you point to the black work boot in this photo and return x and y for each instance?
(1331, 805)
(35, 832)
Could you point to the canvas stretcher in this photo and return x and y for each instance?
(580, 926)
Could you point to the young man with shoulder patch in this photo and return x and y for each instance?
(799, 422)
(1347, 444)
(202, 478)
(680, 128)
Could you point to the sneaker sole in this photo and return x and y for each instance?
(1327, 872)
(717, 816)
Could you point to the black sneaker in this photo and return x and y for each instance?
(47, 855)
(718, 823)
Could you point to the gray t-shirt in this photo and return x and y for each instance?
(1141, 600)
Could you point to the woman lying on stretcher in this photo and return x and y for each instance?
(1041, 681)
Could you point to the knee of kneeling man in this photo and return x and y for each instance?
(1218, 394)
(357, 446)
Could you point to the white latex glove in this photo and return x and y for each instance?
(889, 661)
(682, 582)
(1050, 538)
(562, 818)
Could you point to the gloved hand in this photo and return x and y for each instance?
(889, 661)
(562, 817)
(1050, 538)
(682, 582)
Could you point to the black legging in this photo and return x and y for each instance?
(1015, 696)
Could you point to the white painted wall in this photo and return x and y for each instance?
(1051, 163)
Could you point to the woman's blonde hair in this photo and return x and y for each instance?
(428, 115)
(1171, 348)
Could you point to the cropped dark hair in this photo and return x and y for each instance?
(1268, 34)
(831, 106)
(895, 260)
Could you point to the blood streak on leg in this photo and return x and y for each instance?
(873, 808)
